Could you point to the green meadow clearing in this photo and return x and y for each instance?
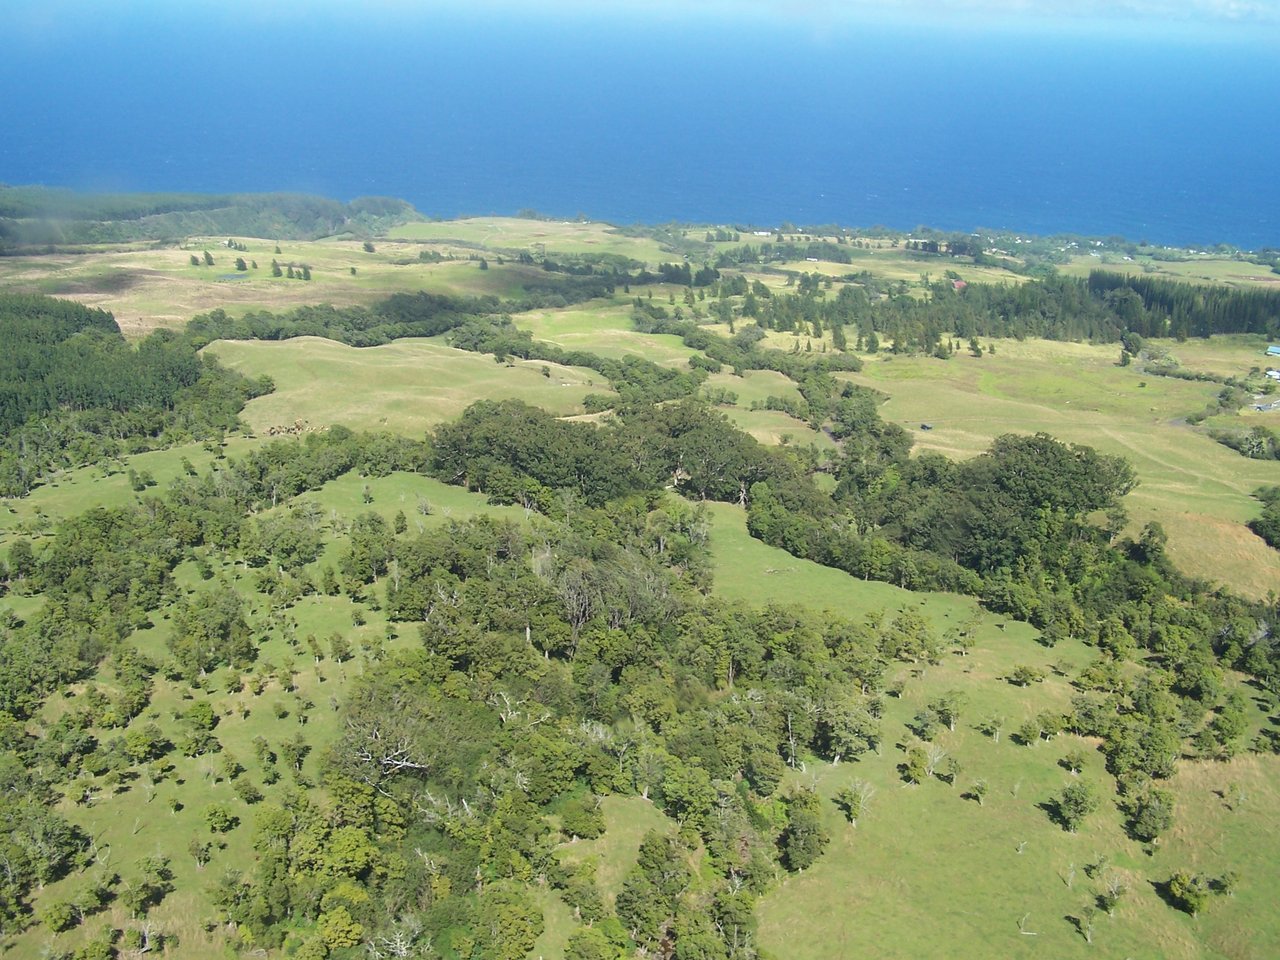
(406, 387)
(515, 235)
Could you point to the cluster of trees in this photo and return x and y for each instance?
(1016, 526)
(518, 453)
(401, 315)
(635, 380)
(539, 688)
(742, 351)
(1256, 443)
(73, 391)
(1105, 308)
(1267, 526)
(1156, 307)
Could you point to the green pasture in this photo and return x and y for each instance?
(1198, 489)
(406, 387)
(774, 427)
(604, 329)
(930, 872)
(747, 570)
(755, 386)
(895, 264)
(150, 288)
(1196, 269)
(71, 492)
(536, 237)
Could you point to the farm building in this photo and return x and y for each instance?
(1273, 351)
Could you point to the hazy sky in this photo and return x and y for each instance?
(50, 15)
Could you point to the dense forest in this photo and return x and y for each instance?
(38, 217)
(1102, 309)
(73, 391)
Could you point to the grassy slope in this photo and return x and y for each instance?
(908, 870)
(1198, 269)
(929, 872)
(407, 387)
(516, 234)
(150, 288)
(1198, 489)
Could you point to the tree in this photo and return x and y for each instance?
(916, 768)
(241, 265)
(853, 799)
(804, 838)
(208, 259)
(219, 818)
(991, 726)
(195, 261)
(1150, 814)
(1190, 891)
(1074, 760)
(1076, 802)
(979, 790)
(1029, 732)
(339, 929)
(948, 707)
(1113, 889)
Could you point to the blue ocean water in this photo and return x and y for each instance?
(1164, 137)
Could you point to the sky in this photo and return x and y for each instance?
(40, 16)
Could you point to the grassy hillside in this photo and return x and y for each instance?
(1196, 488)
(931, 869)
(406, 387)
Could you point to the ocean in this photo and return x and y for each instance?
(1165, 136)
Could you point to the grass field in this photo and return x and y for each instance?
(1197, 488)
(536, 237)
(604, 328)
(893, 264)
(150, 288)
(407, 387)
(930, 872)
(1198, 269)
